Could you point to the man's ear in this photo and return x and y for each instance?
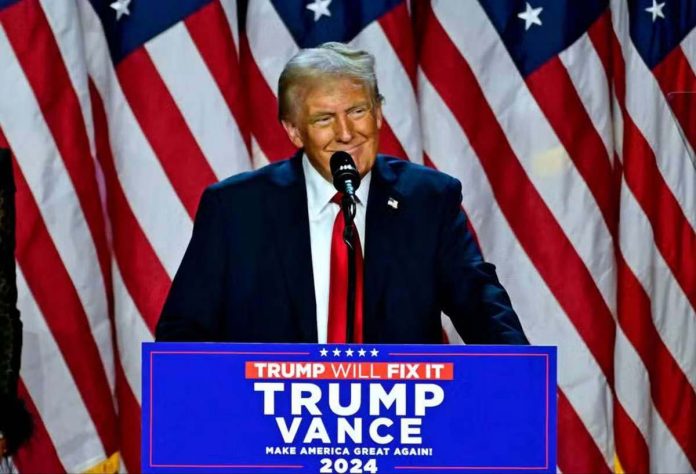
(293, 133)
(378, 115)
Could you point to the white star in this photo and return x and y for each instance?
(337, 352)
(323, 352)
(361, 352)
(656, 10)
(349, 352)
(530, 16)
(374, 352)
(121, 7)
(320, 8)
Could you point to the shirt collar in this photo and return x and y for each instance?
(320, 191)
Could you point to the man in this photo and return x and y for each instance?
(261, 265)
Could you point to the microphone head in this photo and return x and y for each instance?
(343, 170)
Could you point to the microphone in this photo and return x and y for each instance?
(346, 178)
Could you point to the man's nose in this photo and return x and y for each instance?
(343, 129)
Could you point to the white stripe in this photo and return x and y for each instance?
(50, 184)
(270, 42)
(132, 331)
(64, 22)
(632, 390)
(533, 141)
(543, 320)
(672, 313)
(149, 192)
(587, 74)
(648, 108)
(617, 119)
(230, 9)
(259, 159)
(688, 46)
(199, 99)
(400, 108)
(53, 389)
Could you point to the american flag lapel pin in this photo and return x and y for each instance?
(393, 203)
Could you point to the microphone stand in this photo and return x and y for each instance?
(348, 206)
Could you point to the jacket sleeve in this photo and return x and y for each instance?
(193, 309)
(470, 292)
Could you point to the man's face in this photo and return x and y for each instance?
(336, 115)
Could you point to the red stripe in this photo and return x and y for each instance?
(554, 91)
(165, 128)
(39, 454)
(3, 140)
(672, 394)
(631, 448)
(38, 54)
(143, 274)
(128, 422)
(211, 33)
(388, 143)
(262, 101)
(55, 295)
(577, 451)
(396, 25)
(533, 224)
(674, 74)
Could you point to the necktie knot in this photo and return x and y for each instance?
(336, 199)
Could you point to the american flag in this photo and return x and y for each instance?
(569, 123)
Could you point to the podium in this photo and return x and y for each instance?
(331, 408)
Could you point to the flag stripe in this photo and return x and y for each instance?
(165, 128)
(544, 321)
(671, 393)
(264, 121)
(129, 424)
(146, 279)
(197, 97)
(37, 52)
(213, 37)
(388, 143)
(39, 455)
(674, 75)
(567, 115)
(59, 303)
(399, 108)
(71, 427)
(511, 186)
(143, 180)
(580, 453)
(631, 448)
(397, 27)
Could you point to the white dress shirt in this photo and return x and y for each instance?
(322, 214)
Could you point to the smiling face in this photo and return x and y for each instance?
(336, 115)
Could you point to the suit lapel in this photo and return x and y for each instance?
(291, 222)
(380, 238)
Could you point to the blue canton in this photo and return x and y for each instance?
(147, 19)
(348, 18)
(563, 22)
(655, 39)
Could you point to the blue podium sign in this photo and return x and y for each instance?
(348, 408)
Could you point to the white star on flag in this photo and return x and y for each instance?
(121, 7)
(361, 352)
(530, 16)
(323, 352)
(349, 352)
(320, 8)
(337, 352)
(374, 352)
(656, 10)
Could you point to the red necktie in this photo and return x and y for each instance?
(338, 286)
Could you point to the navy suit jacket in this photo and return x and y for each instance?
(247, 273)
